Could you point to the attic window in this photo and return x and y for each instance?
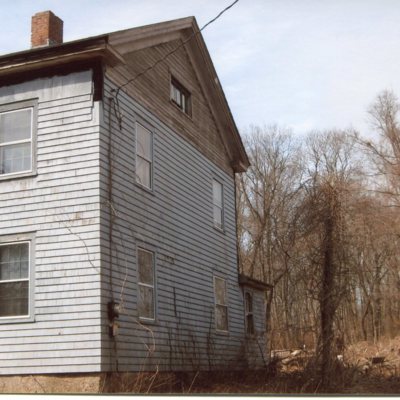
(181, 96)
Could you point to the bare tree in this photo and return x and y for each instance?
(267, 195)
(326, 215)
(384, 117)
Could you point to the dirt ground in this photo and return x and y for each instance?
(365, 368)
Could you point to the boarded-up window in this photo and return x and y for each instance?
(14, 279)
(221, 304)
(144, 156)
(16, 141)
(218, 207)
(248, 302)
(146, 293)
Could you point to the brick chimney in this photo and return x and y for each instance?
(47, 29)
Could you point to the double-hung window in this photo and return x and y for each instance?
(15, 271)
(146, 287)
(144, 156)
(218, 205)
(16, 139)
(221, 304)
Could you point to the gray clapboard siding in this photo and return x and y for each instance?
(64, 368)
(176, 220)
(45, 330)
(66, 102)
(44, 340)
(61, 204)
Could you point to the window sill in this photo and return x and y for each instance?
(220, 230)
(189, 116)
(147, 321)
(222, 333)
(16, 320)
(10, 177)
(145, 188)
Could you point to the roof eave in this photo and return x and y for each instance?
(78, 51)
(241, 162)
(245, 280)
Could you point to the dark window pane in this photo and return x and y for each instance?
(146, 273)
(249, 302)
(14, 299)
(180, 96)
(250, 324)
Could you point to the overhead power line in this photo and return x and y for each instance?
(162, 59)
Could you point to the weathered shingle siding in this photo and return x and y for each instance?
(176, 220)
(61, 206)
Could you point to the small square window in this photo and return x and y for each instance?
(146, 287)
(181, 96)
(144, 156)
(16, 138)
(221, 304)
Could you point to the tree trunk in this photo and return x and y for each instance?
(327, 300)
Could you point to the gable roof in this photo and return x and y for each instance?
(187, 30)
(110, 48)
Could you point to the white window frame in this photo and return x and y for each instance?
(216, 304)
(19, 239)
(149, 160)
(15, 107)
(218, 206)
(139, 284)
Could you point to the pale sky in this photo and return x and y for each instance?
(303, 64)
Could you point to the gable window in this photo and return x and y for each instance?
(218, 205)
(248, 304)
(14, 279)
(16, 139)
(181, 96)
(221, 304)
(144, 156)
(146, 288)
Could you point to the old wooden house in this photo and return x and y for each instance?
(118, 156)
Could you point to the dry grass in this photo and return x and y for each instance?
(349, 377)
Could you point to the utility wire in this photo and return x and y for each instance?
(173, 51)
